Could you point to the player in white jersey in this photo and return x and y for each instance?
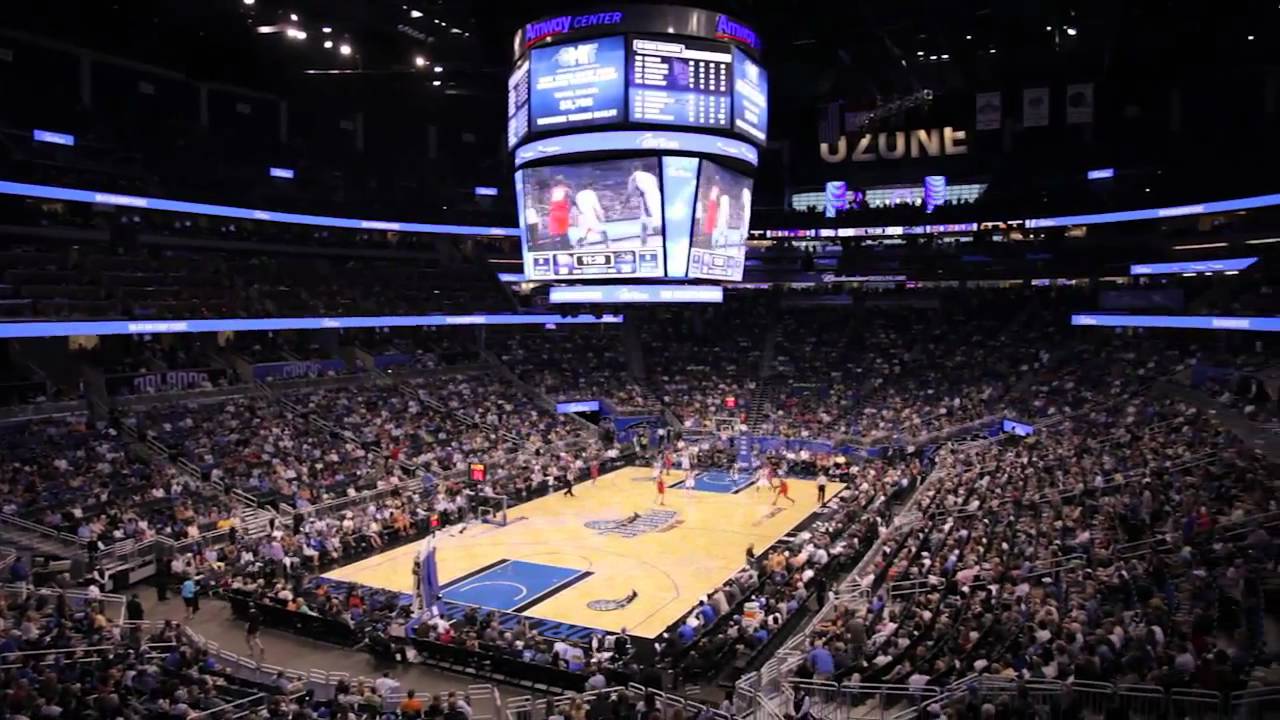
(746, 215)
(686, 465)
(590, 217)
(720, 237)
(646, 185)
(763, 479)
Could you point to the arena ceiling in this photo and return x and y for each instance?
(851, 50)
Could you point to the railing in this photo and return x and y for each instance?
(411, 485)
(1042, 698)
(1140, 547)
(526, 707)
(485, 701)
(111, 604)
(27, 526)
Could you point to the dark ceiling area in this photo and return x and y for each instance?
(859, 52)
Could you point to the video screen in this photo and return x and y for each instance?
(578, 84)
(722, 217)
(680, 82)
(750, 97)
(598, 218)
(518, 104)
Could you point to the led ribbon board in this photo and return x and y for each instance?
(1248, 203)
(1195, 266)
(150, 203)
(631, 140)
(1186, 322)
(162, 327)
(638, 294)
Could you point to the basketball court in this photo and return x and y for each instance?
(557, 557)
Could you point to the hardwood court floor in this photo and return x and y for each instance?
(669, 569)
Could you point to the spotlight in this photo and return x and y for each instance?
(968, 37)
(249, 2)
(420, 61)
(439, 68)
(293, 17)
(1072, 31)
(1249, 38)
(326, 29)
(328, 44)
(345, 49)
(435, 83)
(415, 14)
(919, 53)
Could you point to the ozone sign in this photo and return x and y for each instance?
(870, 147)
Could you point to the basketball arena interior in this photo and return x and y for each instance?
(456, 360)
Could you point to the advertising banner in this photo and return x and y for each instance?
(298, 369)
(163, 381)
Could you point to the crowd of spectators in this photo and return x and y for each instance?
(576, 364)
(1129, 549)
(698, 359)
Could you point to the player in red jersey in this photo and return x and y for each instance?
(782, 491)
(662, 491)
(559, 204)
(711, 211)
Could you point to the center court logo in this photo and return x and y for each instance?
(636, 525)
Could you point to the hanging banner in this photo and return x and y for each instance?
(1079, 103)
(989, 111)
(1035, 107)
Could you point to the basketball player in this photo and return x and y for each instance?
(595, 471)
(710, 211)
(662, 491)
(590, 218)
(782, 491)
(746, 214)
(763, 479)
(645, 184)
(686, 466)
(667, 463)
(721, 236)
(558, 207)
(532, 225)
(822, 488)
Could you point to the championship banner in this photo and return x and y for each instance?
(163, 381)
(1035, 107)
(989, 111)
(1079, 103)
(297, 369)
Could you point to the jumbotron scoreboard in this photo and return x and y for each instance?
(635, 134)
